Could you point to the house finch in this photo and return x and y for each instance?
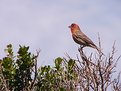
(80, 38)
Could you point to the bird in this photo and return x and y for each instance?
(80, 38)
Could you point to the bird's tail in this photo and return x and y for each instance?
(98, 49)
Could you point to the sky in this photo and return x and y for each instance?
(43, 25)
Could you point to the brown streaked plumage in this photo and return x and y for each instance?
(80, 38)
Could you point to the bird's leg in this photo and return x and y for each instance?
(81, 51)
(81, 48)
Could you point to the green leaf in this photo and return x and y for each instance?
(58, 62)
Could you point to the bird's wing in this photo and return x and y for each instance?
(83, 37)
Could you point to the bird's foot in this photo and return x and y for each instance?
(80, 48)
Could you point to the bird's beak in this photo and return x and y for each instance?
(69, 26)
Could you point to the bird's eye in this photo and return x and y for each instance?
(72, 25)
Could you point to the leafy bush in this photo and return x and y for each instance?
(20, 72)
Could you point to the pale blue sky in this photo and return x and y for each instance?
(43, 24)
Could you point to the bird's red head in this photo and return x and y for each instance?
(74, 27)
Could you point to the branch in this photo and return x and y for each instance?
(35, 68)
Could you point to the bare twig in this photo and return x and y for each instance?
(35, 69)
(98, 75)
